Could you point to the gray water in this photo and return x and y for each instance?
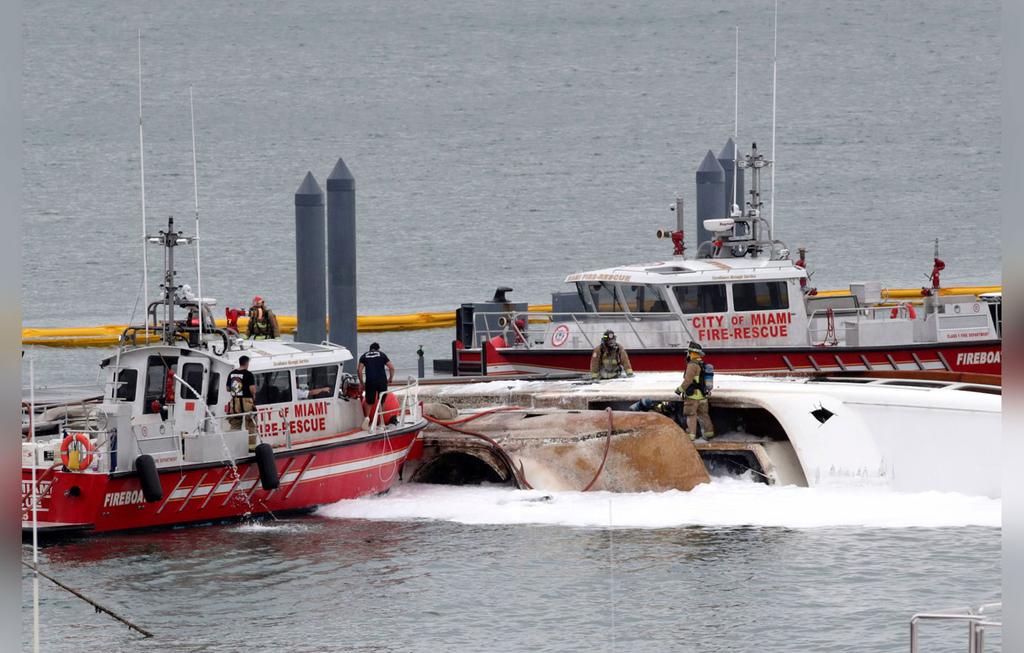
(501, 144)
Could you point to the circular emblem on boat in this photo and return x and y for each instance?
(560, 335)
(977, 308)
(956, 308)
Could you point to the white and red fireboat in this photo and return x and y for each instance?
(158, 450)
(748, 303)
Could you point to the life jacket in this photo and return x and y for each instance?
(699, 383)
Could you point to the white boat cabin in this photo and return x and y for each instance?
(737, 302)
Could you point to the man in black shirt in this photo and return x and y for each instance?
(241, 386)
(372, 375)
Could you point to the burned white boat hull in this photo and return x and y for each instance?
(907, 435)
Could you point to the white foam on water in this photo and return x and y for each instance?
(270, 526)
(724, 502)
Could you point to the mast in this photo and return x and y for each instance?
(734, 209)
(142, 176)
(170, 239)
(195, 186)
(775, 57)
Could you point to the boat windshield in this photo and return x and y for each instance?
(643, 299)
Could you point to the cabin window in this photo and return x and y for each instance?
(273, 387)
(192, 375)
(760, 296)
(641, 299)
(311, 379)
(127, 380)
(156, 381)
(603, 298)
(708, 298)
(213, 392)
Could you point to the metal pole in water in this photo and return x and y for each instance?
(310, 262)
(711, 194)
(341, 256)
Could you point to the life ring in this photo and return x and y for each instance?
(76, 452)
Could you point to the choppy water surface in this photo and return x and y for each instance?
(510, 143)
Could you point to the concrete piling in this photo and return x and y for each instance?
(341, 257)
(711, 196)
(310, 262)
(727, 158)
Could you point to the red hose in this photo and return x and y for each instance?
(504, 454)
(497, 447)
(607, 447)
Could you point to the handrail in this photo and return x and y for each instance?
(483, 331)
(977, 623)
(410, 399)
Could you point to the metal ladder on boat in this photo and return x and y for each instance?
(979, 620)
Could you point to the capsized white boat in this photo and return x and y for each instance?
(907, 434)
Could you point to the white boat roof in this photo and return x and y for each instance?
(274, 354)
(687, 271)
(263, 354)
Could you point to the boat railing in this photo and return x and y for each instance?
(646, 329)
(408, 409)
(45, 453)
(824, 327)
(979, 621)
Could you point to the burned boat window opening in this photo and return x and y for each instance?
(273, 387)
(127, 383)
(701, 298)
(760, 296)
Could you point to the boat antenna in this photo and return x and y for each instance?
(775, 56)
(142, 177)
(195, 187)
(736, 125)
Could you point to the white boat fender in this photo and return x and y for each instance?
(149, 478)
(267, 465)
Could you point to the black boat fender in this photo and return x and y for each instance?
(267, 465)
(149, 478)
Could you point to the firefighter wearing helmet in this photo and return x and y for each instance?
(609, 359)
(262, 321)
(695, 388)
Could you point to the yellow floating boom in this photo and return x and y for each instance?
(107, 335)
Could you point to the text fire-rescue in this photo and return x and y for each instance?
(718, 328)
(978, 357)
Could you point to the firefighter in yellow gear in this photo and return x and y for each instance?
(609, 359)
(262, 321)
(694, 390)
